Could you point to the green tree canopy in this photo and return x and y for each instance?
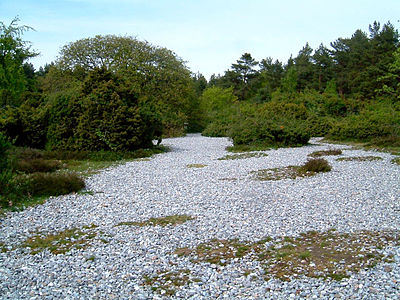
(14, 52)
(150, 71)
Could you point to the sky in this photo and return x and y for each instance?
(210, 35)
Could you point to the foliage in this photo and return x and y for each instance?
(272, 124)
(316, 165)
(37, 165)
(54, 184)
(377, 120)
(13, 53)
(106, 115)
(217, 106)
(150, 72)
(26, 124)
(4, 147)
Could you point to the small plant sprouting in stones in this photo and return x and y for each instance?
(162, 221)
(326, 153)
(327, 255)
(61, 242)
(396, 161)
(360, 158)
(166, 282)
(310, 168)
(316, 165)
(196, 166)
(244, 155)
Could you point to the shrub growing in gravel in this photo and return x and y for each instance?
(316, 165)
(47, 184)
(326, 153)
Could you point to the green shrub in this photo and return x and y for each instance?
(253, 131)
(105, 115)
(6, 188)
(37, 165)
(378, 121)
(316, 165)
(54, 184)
(4, 147)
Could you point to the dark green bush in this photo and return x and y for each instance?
(252, 131)
(54, 184)
(106, 115)
(316, 165)
(4, 146)
(377, 121)
(217, 128)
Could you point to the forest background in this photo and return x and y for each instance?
(108, 97)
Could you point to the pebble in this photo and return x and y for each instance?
(353, 196)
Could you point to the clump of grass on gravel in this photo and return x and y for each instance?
(54, 184)
(326, 153)
(190, 166)
(396, 160)
(327, 255)
(316, 165)
(310, 168)
(243, 156)
(166, 282)
(3, 247)
(61, 242)
(360, 158)
(162, 221)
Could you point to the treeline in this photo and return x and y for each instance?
(109, 93)
(349, 91)
(117, 94)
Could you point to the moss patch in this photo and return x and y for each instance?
(61, 242)
(3, 247)
(191, 166)
(396, 161)
(166, 282)
(360, 158)
(313, 254)
(310, 168)
(162, 221)
(326, 153)
(243, 156)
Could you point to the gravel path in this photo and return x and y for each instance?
(226, 202)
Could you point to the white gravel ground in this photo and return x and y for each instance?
(226, 203)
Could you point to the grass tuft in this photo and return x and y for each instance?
(360, 158)
(310, 168)
(54, 184)
(316, 165)
(327, 255)
(29, 166)
(166, 282)
(243, 156)
(61, 242)
(162, 221)
(196, 166)
(326, 153)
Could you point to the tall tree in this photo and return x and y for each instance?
(241, 75)
(153, 72)
(14, 52)
(323, 68)
(304, 67)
